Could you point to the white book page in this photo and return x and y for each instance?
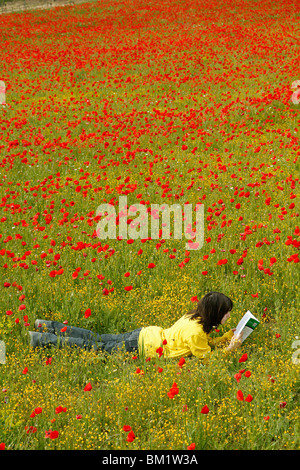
(242, 328)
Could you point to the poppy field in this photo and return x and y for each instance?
(164, 102)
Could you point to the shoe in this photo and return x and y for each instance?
(38, 339)
(34, 338)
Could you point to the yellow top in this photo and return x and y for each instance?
(185, 338)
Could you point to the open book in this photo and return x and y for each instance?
(246, 325)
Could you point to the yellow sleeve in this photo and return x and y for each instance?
(222, 339)
(199, 346)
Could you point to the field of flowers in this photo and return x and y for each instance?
(164, 102)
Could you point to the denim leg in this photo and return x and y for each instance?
(71, 331)
(48, 339)
(88, 339)
(113, 342)
(132, 340)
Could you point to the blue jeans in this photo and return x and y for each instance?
(73, 336)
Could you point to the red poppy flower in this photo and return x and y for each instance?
(54, 434)
(240, 395)
(88, 387)
(51, 434)
(60, 409)
(126, 428)
(192, 446)
(173, 390)
(181, 362)
(87, 313)
(30, 429)
(131, 436)
(205, 410)
(238, 376)
(243, 358)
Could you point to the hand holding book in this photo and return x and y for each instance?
(244, 328)
(235, 342)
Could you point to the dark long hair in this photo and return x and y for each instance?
(210, 310)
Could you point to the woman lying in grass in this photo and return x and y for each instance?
(189, 336)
